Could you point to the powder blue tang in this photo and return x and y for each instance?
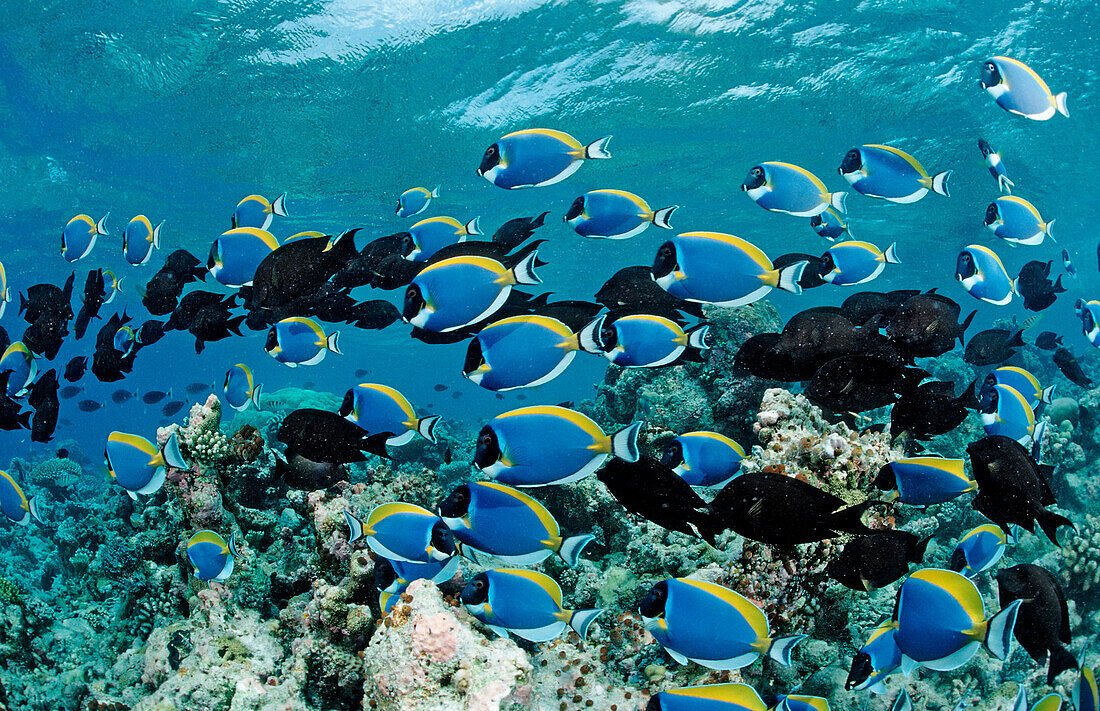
(923, 481)
(614, 214)
(299, 340)
(79, 236)
(537, 157)
(978, 550)
(139, 239)
(237, 253)
(891, 174)
(433, 234)
(240, 388)
(1019, 90)
(784, 187)
(380, 408)
(525, 603)
(415, 201)
(983, 275)
(850, 263)
(257, 211)
(210, 555)
(1016, 220)
(706, 459)
(520, 352)
(136, 464)
(460, 291)
(646, 340)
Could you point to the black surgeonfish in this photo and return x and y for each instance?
(109, 364)
(993, 346)
(74, 369)
(871, 562)
(46, 335)
(322, 436)
(1070, 368)
(47, 298)
(298, 269)
(212, 323)
(12, 417)
(778, 509)
(192, 303)
(927, 325)
(93, 300)
(931, 409)
(653, 491)
(43, 398)
(757, 356)
(633, 286)
(1012, 486)
(515, 232)
(1042, 624)
(1033, 283)
(298, 472)
(360, 270)
(811, 275)
(162, 292)
(858, 383)
(866, 305)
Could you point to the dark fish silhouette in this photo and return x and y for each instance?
(322, 436)
(515, 232)
(121, 396)
(1070, 368)
(43, 398)
(1042, 624)
(75, 368)
(298, 269)
(859, 383)
(300, 473)
(875, 561)
(12, 416)
(862, 307)
(69, 391)
(1012, 487)
(153, 397)
(927, 325)
(172, 408)
(93, 300)
(89, 405)
(931, 409)
(993, 346)
(634, 286)
(1048, 341)
(653, 491)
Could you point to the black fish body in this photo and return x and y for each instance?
(1070, 368)
(864, 306)
(515, 232)
(298, 269)
(635, 286)
(931, 409)
(927, 325)
(858, 383)
(653, 491)
(1012, 487)
(300, 473)
(993, 346)
(1042, 624)
(757, 356)
(876, 560)
(322, 436)
(1048, 341)
(43, 398)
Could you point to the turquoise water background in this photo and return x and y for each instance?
(176, 110)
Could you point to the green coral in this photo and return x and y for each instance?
(10, 593)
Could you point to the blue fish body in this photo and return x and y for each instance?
(256, 211)
(520, 352)
(891, 174)
(721, 269)
(881, 656)
(1089, 314)
(686, 620)
(300, 341)
(983, 275)
(460, 291)
(923, 481)
(139, 239)
(1024, 383)
(1006, 412)
(136, 464)
(407, 533)
(996, 166)
(1016, 220)
(438, 571)
(379, 408)
(237, 253)
(547, 444)
(783, 187)
(856, 262)
(503, 522)
(1019, 90)
(830, 225)
(415, 201)
(614, 214)
(978, 550)
(210, 556)
(240, 389)
(525, 603)
(1085, 694)
(13, 502)
(433, 234)
(537, 157)
(705, 459)
(941, 621)
(79, 236)
(124, 340)
(649, 341)
(23, 366)
(709, 697)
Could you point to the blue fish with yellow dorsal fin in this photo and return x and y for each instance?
(683, 615)
(1019, 90)
(112, 285)
(237, 253)
(525, 603)
(615, 214)
(720, 269)
(1085, 694)
(878, 658)
(830, 225)
(456, 292)
(1016, 220)
(850, 263)
(23, 366)
(1006, 412)
(548, 444)
(923, 481)
(983, 275)
(942, 621)
(257, 211)
(379, 408)
(891, 174)
(801, 702)
(705, 459)
(1023, 382)
(241, 389)
(14, 503)
(1089, 313)
(427, 237)
(996, 166)
(79, 236)
(124, 340)
(708, 697)
(299, 340)
(497, 520)
(520, 352)
(392, 577)
(211, 556)
(415, 201)
(536, 157)
(139, 239)
(978, 550)
(784, 187)
(408, 533)
(643, 340)
(137, 465)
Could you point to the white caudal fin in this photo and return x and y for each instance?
(156, 235)
(781, 648)
(33, 506)
(332, 343)
(939, 183)
(571, 548)
(279, 206)
(101, 226)
(1048, 394)
(435, 191)
(660, 217)
(789, 277)
(588, 337)
(837, 201)
(355, 527)
(172, 455)
(581, 619)
(624, 443)
(524, 272)
(1049, 229)
(257, 390)
(1060, 104)
(891, 254)
(998, 635)
(903, 702)
(699, 337)
(598, 149)
(426, 427)
(473, 227)
(1020, 704)
(1005, 184)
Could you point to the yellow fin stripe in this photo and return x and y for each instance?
(208, 537)
(135, 441)
(902, 154)
(446, 220)
(395, 507)
(560, 135)
(544, 581)
(262, 235)
(18, 490)
(582, 421)
(986, 528)
(750, 249)
(545, 518)
(958, 587)
(547, 322)
(397, 397)
(1023, 203)
(486, 263)
(743, 605)
(642, 204)
(715, 436)
(742, 695)
(816, 180)
(316, 327)
(990, 252)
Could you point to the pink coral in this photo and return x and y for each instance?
(434, 636)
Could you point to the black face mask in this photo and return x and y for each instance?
(674, 455)
(488, 449)
(991, 213)
(852, 162)
(665, 262)
(964, 267)
(457, 504)
(476, 591)
(490, 159)
(754, 179)
(575, 209)
(474, 358)
(414, 302)
(653, 604)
